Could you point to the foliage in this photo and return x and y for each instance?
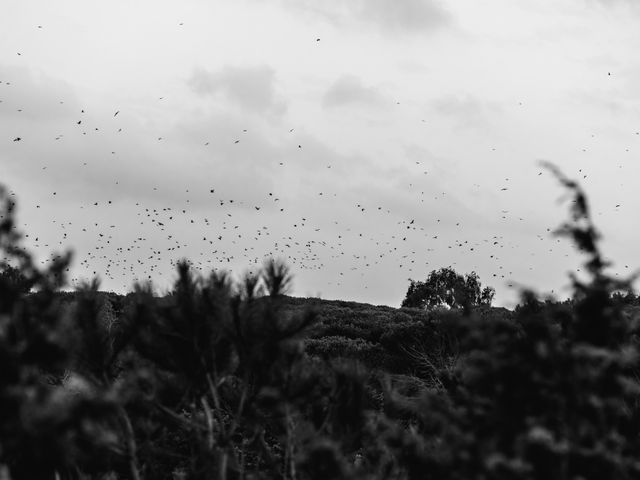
(446, 287)
(43, 426)
(12, 279)
(234, 380)
(554, 394)
(210, 382)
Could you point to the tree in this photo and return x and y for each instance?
(446, 287)
(552, 393)
(14, 278)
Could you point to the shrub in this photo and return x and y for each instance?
(217, 380)
(542, 397)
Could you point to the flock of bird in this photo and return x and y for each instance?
(131, 240)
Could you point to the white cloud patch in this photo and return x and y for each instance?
(250, 88)
(406, 15)
(393, 16)
(348, 90)
(631, 4)
(467, 111)
(31, 95)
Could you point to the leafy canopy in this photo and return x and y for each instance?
(446, 287)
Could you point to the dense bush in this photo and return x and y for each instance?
(234, 380)
(552, 395)
(209, 382)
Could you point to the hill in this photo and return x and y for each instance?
(393, 340)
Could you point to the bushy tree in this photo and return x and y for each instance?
(214, 381)
(45, 428)
(13, 279)
(553, 395)
(211, 381)
(446, 287)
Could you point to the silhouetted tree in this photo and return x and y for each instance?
(11, 277)
(551, 395)
(446, 287)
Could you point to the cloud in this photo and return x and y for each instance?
(250, 88)
(444, 170)
(467, 111)
(633, 4)
(612, 101)
(349, 89)
(406, 16)
(34, 96)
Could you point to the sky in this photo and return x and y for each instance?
(365, 142)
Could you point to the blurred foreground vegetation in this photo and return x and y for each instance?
(236, 380)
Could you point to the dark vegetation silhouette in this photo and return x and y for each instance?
(11, 278)
(235, 380)
(446, 287)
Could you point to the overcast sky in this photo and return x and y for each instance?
(365, 141)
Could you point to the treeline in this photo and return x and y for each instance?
(234, 380)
